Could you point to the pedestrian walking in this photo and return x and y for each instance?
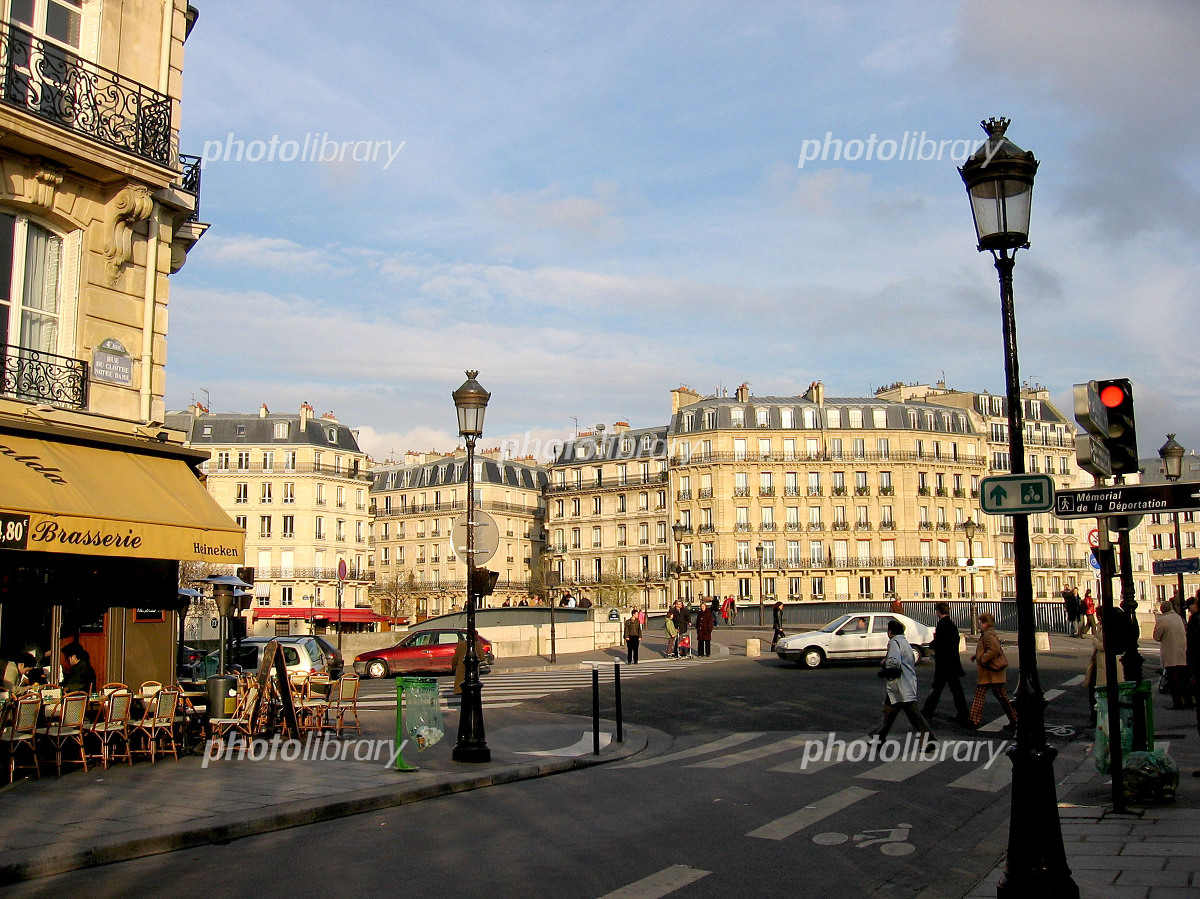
(1193, 652)
(633, 637)
(776, 624)
(897, 605)
(1089, 614)
(899, 671)
(672, 633)
(1097, 670)
(725, 609)
(1071, 606)
(1171, 635)
(991, 666)
(947, 666)
(716, 610)
(733, 610)
(705, 622)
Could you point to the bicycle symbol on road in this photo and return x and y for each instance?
(890, 840)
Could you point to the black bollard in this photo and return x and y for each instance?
(595, 710)
(617, 700)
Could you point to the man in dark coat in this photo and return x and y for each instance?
(947, 666)
(704, 627)
(1193, 651)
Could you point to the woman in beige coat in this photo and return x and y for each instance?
(1172, 638)
(991, 667)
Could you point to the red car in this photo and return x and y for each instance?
(430, 651)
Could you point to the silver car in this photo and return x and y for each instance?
(854, 636)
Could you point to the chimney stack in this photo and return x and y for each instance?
(263, 411)
(306, 415)
(816, 393)
(682, 396)
(742, 394)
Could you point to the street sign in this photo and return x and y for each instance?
(1098, 501)
(487, 537)
(1094, 538)
(1092, 455)
(1177, 566)
(1016, 494)
(342, 570)
(1090, 412)
(1094, 562)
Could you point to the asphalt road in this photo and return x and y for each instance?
(722, 803)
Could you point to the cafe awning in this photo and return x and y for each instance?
(133, 500)
(321, 613)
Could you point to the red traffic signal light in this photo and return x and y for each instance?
(1114, 395)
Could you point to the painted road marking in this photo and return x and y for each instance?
(796, 741)
(998, 724)
(702, 749)
(986, 780)
(782, 828)
(1076, 681)
(898, 770)
(665, 882)
(797, 766)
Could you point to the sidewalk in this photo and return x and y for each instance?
(51, 825)
(1150, 852)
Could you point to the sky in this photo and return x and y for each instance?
(593, 203)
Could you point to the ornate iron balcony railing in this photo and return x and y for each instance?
(38, 377)
(190, 181)
(45, 80)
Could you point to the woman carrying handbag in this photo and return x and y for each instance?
(992, 672)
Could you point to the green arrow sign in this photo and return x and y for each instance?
(1016, 494)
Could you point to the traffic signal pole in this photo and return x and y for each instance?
(1104, 555)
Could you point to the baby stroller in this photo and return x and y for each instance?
(685, 645)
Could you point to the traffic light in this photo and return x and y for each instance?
(1116, 395)
(483, 581)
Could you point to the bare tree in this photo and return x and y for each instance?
(396, 595)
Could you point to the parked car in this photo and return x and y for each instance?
(854, 636)
(300, 653)
(333, 656)
(430, 651)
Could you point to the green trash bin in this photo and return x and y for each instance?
(1131, 696)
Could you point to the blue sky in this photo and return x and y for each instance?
(596, 202)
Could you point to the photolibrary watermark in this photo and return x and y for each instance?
(314, 147)
(913, 748)
(913, 146)
(324, 748)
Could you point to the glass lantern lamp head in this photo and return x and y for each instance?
(999, 181)
(969, 529)
(471, 402)
(679, 530)
(1171, 454)
(758, 552)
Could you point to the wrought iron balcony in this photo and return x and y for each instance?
(46, 81)
(190, 182)
(37, 377)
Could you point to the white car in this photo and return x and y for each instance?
(857, 635)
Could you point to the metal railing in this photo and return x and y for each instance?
(1048, 616)
(190, 167)
(313, 574)
(38, 377)
(47, 81)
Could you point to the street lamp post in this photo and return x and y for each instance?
(969, 529)
(758, 553)
(470, 400)
(678, 529)
(1171, 454)
(551, 559)
(999, 181)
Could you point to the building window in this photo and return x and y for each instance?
(268, 461)
(265, 492)
(242, 494)
(289, 460)
(285, 596)
(243, 460)
(289, 525)
(240, 521)
(319, 528)
(223, 460)
(289, 492)
(264, 526)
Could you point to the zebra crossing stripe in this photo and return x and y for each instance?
(1076, 681)
(796, 741)
(662, 883)
(898, 770)
(782, 828)
(998, 724)
(703, 749)
(984, 779)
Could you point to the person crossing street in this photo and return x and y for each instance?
(947, 666)
(633, 637)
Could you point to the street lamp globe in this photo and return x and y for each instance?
(758, 552)
(999, 181)
(679, 530)
(969, 529)
(1171, 454)
(471, 402)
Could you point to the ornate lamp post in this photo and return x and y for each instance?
(678, 530)
(471, 402)
(1171, 454)
(999, 181)
(969, 529)
(758, 554)
(552, 559)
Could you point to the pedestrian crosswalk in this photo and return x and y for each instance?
(509, 689)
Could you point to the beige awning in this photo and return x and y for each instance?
(71, 497)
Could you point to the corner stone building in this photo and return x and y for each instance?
(99, 503)
(297, 485)
(843, 497)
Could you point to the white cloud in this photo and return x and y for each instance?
(277, 253)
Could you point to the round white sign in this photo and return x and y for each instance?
(487, 536)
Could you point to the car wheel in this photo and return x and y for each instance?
(813, 658)
(377, 668)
